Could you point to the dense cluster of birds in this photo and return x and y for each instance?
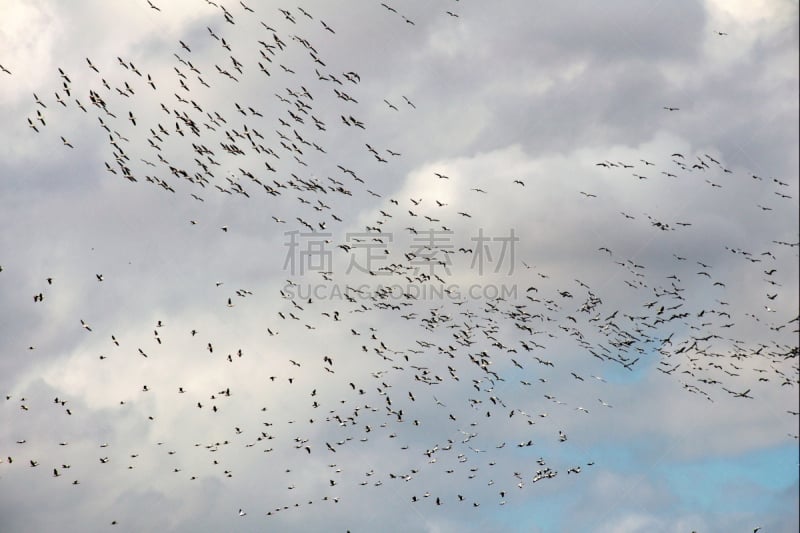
(392, 389)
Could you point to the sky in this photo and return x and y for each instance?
(400, 266)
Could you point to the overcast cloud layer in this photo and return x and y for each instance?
(400, 266)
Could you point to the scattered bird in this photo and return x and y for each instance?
(264, 165)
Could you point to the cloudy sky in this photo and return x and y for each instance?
(401, 266)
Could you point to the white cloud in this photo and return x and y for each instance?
(507, 99)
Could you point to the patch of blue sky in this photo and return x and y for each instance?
(729, 484)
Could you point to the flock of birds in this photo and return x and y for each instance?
(388, 389)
